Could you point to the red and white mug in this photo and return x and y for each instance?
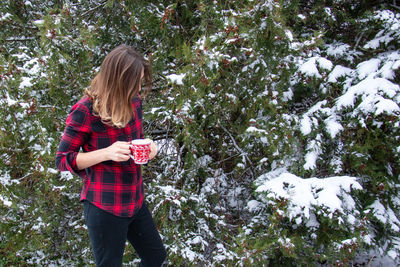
(140, 149)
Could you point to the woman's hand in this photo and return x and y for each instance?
(153, 149)
(119, 151)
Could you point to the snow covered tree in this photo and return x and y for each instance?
(344, 99)
(277, 122)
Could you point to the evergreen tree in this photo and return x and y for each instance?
(250, 99)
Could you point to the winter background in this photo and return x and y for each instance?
(277, 124)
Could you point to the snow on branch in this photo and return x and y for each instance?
(304, 195)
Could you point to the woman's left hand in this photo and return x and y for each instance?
(153, 149)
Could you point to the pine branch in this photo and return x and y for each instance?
(94, 8)
(394, 6)
(20, 40)
(161, 134)
(244, 154)
(158, 132)
(359, 39)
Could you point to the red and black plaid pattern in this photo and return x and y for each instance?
(115, 187)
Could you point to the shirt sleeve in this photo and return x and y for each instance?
(76, 133)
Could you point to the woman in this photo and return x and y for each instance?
(103, 123)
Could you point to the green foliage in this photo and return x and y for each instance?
(237, 115)
(282, 241)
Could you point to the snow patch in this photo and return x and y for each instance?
(371, 91)
(368, 67)
(304, 194)
(310, 67)
(176, 78)
(337, 72)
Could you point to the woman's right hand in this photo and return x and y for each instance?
(119, 151)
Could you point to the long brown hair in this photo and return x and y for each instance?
(117, 83)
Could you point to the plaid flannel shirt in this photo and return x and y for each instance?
(115, 187)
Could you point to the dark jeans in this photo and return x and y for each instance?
(108, 234)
